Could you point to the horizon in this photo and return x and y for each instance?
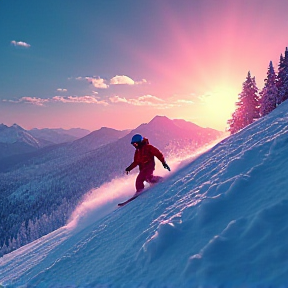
(55, 128)
(119, 68)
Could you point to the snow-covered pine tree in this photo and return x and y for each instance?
(282, 78)
(234, 123)
(247, 106)
(269, 92)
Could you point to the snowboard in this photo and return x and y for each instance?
(160, 179)
(132, 198)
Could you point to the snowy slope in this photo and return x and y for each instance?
(219, 221)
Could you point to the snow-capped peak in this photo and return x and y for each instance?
(16, 133)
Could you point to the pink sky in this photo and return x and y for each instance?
(183, 61)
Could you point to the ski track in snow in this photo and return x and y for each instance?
(220, 221)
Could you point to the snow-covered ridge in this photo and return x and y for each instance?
(220, 221)
(15, 133)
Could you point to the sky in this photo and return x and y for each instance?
(118, 64)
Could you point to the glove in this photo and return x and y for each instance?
(165, 165)
(127, 170)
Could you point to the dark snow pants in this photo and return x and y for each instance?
(146, 174)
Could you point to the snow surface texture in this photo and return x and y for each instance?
(219, 221)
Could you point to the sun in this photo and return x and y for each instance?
(218, 106)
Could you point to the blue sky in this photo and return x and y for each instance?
(119, 63)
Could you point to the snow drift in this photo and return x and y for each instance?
(220, 221)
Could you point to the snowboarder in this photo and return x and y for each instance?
(144, 158)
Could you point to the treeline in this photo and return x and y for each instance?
(252, 104)
(35, 200)
(35, 228)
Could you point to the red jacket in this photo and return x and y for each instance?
(144, 155)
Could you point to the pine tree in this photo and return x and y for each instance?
(282, 78)
(247, 106)
(269, 93)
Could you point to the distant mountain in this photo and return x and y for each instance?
(76, 132)
(52, 181)
(16, 140)
(98, 138)
(178, 136)
(15, 133)
(57, 136)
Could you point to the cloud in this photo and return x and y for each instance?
(31, 100)
(20, 43)
(117, 99)
(146, 100)
(67, 99)
(125, 80)
(62, 90)
(101, 83)
(97, 82)
(122, 80)
(183, 101)
(143, 81)
(205, 98)
(151, 101)
(79, 99)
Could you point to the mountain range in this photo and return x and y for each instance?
(57, 136)
(52, 180)
(15, 140)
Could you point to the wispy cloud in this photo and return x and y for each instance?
(184, 101)
(205, 97)
(151, 101)
(20, 43)
(143, 81)
(31, 100)
(145, 100)
(62, 99)
(62, 90)
(79, 99)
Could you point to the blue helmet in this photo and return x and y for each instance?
(136, 138)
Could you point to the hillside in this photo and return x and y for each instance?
(219, 220)
(52, 181)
